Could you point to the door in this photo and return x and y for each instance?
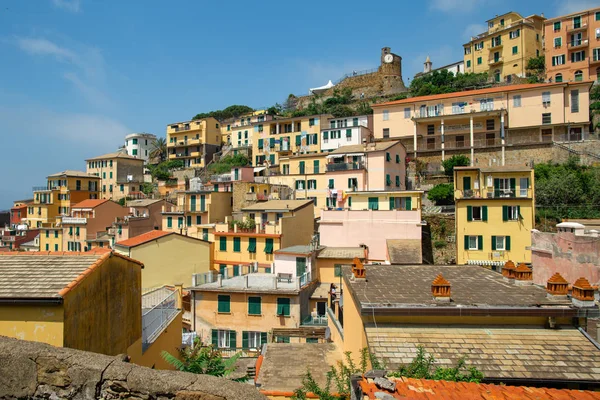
(300, 266)
(321, 305)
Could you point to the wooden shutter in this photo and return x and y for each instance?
(504, 213)
(392, 203)
(484, 213)
(244, 339)
(513, 184)
(507, 242)
(480, 242)
(232, 338)
(466, 183)
(469, 213)
(408, 203)
(215, 337)
(263, 338)
(493, 242)
(466, 242)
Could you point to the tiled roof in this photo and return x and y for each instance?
(90, 203)
(116, 154)
(507, 168)
(359, 148)
(423, 389)
(142, 202)
(503, 353)
(143, 238)
(75, 174)
(299, 249)
(478, 92)
(278, 205)
(347, 253)
(410, 285)
(258, 282)
(404, 251)
(40, 275)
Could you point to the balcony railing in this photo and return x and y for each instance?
(575, 27)
(315, 320)
(496, 60)
(74, 220)
(8, 238)
(43, 189)
(157, 318)
(578, 43)
(345, 166)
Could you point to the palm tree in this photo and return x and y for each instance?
(159, 149)
(203, 360)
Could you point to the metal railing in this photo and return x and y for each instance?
(157, 318)
(356, 73)
(315, 320)
(572, 27)
(42, 189)
(305, 278)
(577, 43)
(332, 167)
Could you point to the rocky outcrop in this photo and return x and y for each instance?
(30, 370)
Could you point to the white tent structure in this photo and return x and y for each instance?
(321, 89)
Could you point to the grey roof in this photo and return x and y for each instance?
(257, 282)
(506, 168)
(296, 249)
(359, 148)
(116, 154)
(410, 285)
(76, 174)
(278, 373)
(404, 251)
(503, 352)
(342, 252)
(36, 276)
(278, 205)
(142, 202)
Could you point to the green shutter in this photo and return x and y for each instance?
(331, 184)
(348, 133)
(513, 185)
(496, 184)
(316, 166)
(466, 183)
(349, 201)
(397, 158)
(300, 266)
(283, 306)
(189, 220)
(298, 140)
(263, 338)
(325, 135)
(466, 242)
(373, 203)
(215, 337)
(504, 213)
(237, 244)
(507, 242)
(469, 213)
(388, 157)
(408, 203)
(232, 340)
(397, 181)
(519, 212)
(244, 339)
(301, 167)
(252, 245)
(392, 203)
(480, 243)
(260, 143)
(484, 214)
(254, 306)
(493, 242)
(269, 246)
(223, 243)
(236, 270)
(223, 303)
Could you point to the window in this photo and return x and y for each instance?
(237, 244)
(476, 216)
(546, 99)
(523, 186)
(254, 306)
(388, 157)
(337, 270)
(253, 340)
(331, 184)
(486, 105)
(574, 101)
(134, 141)
(511, 213)
(477, 213)
(558, 78)
(500, 242)
(496, 41)
(223, 303)
(386, 132)
(312, 184)
(489, 125)
(180, 222)
(546, 118)
(576, 22)
(430, 129)
(479, 46)
(269, 246)
(597, 15)
(397, 181)
(557, 42)
(515, 34)
(56, 234)
(458, 108)
(223, 339)
(301, 167)
(283, 306)
(388, 180)
(578, 76)
(468, 63)
(596, 53)
(515, 49)
(578, 56)
(557, 26)
(397, 158)
(558, 60)
(502, 22)
(517, 100)
(169, 222)
(349, 134)
(311, 122)
(134, 152)
(352, 183)
(386, 116)
(223, 243)
(473, 242)
(252, 245)
(373, 203)
(467, 51)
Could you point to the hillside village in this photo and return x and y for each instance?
(361, 227)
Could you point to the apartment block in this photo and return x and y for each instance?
(140, 145)
(492, 118)
(346, 131)
(573, 47)
(144, 216)
(504, 49)
(14, 238)
(194, 142)
(18, 212)
(121, 175)
(61, 191)
(237, 132)
(495, 213)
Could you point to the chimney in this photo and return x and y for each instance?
(179, 288)
(557, 287)
(219, 280)
(246, 281)
(508, 271)
(358, 269)
(583, 293)
(440, 289)
(275, 282)
(366, 249)
(523, 275)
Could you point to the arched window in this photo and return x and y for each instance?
(578, 76)
(558, 78)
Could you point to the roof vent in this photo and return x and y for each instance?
(440, 288)
(523, 275)
(508, 271)
(358, 269)
(583, 293)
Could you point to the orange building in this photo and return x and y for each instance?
(572, 47)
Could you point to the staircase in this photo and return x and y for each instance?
(580, 153)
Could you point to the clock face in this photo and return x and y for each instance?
(388, 58)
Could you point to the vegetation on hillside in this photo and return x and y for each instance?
(162, 171)
(229, 112)
(536, 69)
(457, 160)
(595, 104)
(446, 82)
(225, 164)
(442, 194)
(205, 360)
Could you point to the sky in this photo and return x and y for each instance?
(77, 76)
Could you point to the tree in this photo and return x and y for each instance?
(147, 188)
(442, 194)
(444, 81)
(363, 108)
(290, 103)
(536, 69)
(159, 149)
(233, 111)
(225, 164)
(203, 360)
(457, 160)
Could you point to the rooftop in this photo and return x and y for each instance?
(506, 168)
(501, 353)
(90, 203)
(44, 275)
(498, 89)
(348, 253)
(370, 147)
(278, 205)
(406, 286)
(74, 174)
(404, 251)
(257, 282)
(142, 202)
(567, 16)
(143, 238)
(116, 154)
(296, 250)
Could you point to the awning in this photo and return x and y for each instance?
(355, 154)
(252, 246)
(335, 156)
(258, 169)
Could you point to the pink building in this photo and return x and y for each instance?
(569, 252)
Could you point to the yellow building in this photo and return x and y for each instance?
(88, 301)
(237, 132)
(286, 136)
(51, 237)
(197, 212)
(193, 142)
(121, 175)
(495, 213)
(265, 227)
(169, 258)
(62, 190)
(504, 49)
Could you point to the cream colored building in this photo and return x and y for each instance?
(237, 132)
(121, 175)
(504, 49)
(194, 142)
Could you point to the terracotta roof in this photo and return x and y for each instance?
(116, 154)
(498, 89)
(582, 283)
(501, 353)
(47, 275)
(371, 147)
(143, 202)
(75, 174)
(417, 389)
(557, 278)
(90, 203)
(143, 238)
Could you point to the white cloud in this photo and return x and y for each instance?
(454, 5)
(45, 47)
(69, 5)
(92, 94)
(572, 6)
(473, 30)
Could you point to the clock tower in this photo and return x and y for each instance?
(390, 72)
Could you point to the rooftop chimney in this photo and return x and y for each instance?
(440, 289)
(508, 271)
(557, 287)
(523, 275)
(219, 280)
(583, 293)
(358, 269)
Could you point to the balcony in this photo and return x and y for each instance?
(333, 167)
(577, 27)
(491, 193)
(8, 238)
(157, 314)
(595, 59)
(43, 189)
(496, 44)
(74, 220)
(315, 320)
(429, 113)
(496, 60)
(577, 44)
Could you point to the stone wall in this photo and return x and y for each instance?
(30, 370)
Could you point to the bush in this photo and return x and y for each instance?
(440, 244)
(455, 161)
(442, 194)
(225, 164)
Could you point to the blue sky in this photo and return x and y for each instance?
(76, 76)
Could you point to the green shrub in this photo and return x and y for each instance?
(442, 194)
(440, 244)
(457, 160)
